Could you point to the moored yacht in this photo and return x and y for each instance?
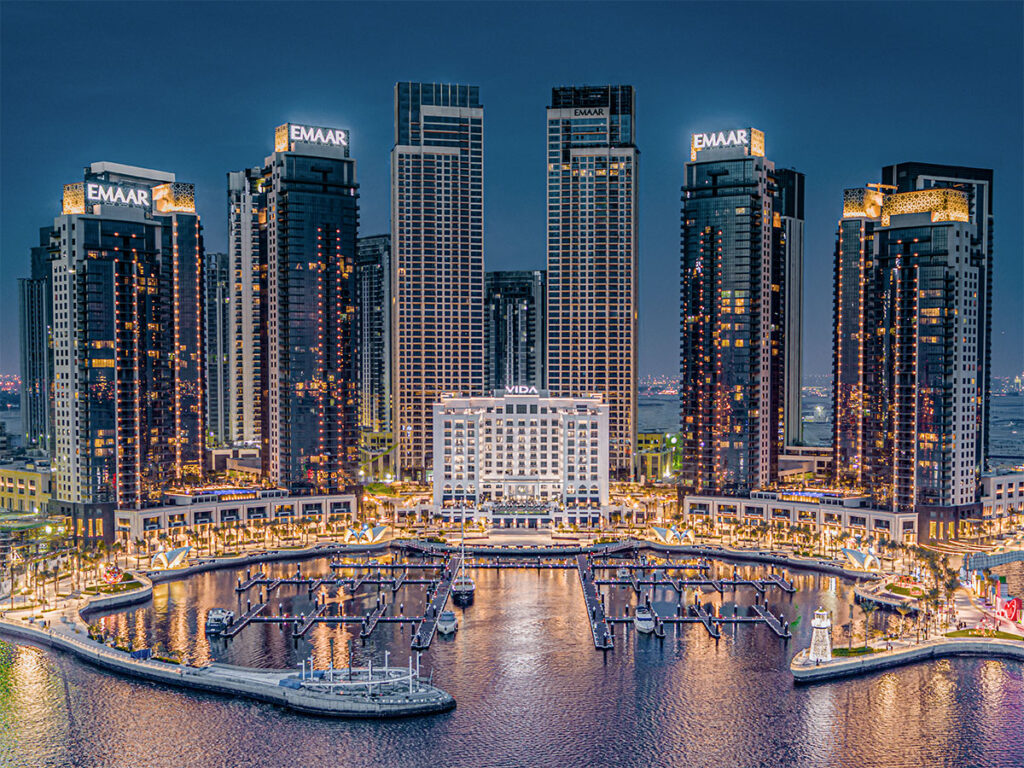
(643, 619)
(447, 623)
(463, 587)
(622, 573)
(218, 619)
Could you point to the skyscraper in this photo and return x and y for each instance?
(788, 231)
(309, 360)
(35, 295)
(217, 287)
(741, 232)
(515, 329)
(438, 261)
(592, 254)
(857, 418)
(128, 342)
(977, 184)
(247, 319)
(373, 275)
(911, 335)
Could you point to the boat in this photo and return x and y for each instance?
(463, 585)
(622, 573)
(447, 623)
(218, 619)
(643, 619)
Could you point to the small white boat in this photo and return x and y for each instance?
(218, 619)
(643, 619)
(622, 573)
(463, 587)
(447, 623)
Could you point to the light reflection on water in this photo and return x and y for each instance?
(530, 687)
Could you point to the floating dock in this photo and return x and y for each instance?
(599, 626)
(424, 633)
(237, 626)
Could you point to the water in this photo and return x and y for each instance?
(660, 413)
(531, 690)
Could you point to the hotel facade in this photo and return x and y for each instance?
(521, 453)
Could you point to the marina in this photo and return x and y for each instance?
(521, 618)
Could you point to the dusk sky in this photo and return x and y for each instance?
(839, 90)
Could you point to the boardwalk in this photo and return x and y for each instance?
(780, 629)
(244, 619)
(308, 621)
(701, 613)
(370, 621)
(599, 627)
(424, 633)
(680, 585)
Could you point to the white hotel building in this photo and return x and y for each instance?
(521, 458)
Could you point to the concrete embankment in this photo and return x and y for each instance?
(758, 556)
(72, 637)
(804, 672)
(253, 558)
(234, 681)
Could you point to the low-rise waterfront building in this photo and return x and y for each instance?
(1002, 502)
(186, 510)
(654, 452)
(25, 486)
(521, 456)
(822, 510)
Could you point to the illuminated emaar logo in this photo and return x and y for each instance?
(721, 139)
(115, 194)
(310, 134)
(740, 137)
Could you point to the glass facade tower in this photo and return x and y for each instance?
(217, 285)
(592, 244)
(373, 272)
(36, 326)
(310, 363)
(437, 259)
(911, 337)
(739, 262)
(128, 343)
(514, 306)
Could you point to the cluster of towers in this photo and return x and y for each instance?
(911, 330)
(327, 351)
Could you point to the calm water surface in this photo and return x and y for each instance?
(530, 687)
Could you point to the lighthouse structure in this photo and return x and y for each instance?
(821, 637)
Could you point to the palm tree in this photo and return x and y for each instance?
(903, 610)
(868, 608)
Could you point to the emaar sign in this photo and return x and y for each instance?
(115, 194)
(721, 139)
(310, 134)
(739, 137)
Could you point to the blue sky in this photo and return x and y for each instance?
(839, 90)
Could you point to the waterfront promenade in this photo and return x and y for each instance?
(382, 692)
(902, 653)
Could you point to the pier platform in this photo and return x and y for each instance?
(423, 634)
(599, 626)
